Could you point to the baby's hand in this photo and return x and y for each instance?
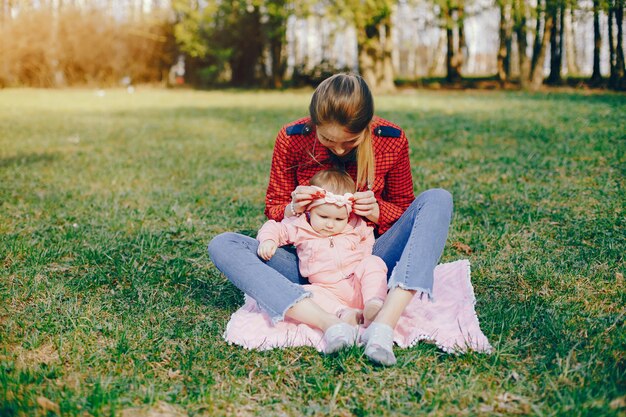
(267, 249)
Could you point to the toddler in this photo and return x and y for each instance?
(334, 250)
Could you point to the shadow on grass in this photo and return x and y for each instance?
(27, 159)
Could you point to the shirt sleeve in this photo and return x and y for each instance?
(282, 179)
(398, 193)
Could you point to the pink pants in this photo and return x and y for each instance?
(367, 282)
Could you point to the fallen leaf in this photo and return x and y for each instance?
(619, 402)
(512, 404)
(462, 247)
(171, 374)
(48, 405)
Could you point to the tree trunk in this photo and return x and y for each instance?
(509, 52)
(612, 59)
(522, 43)
(461, 52)
(538, 37)
(438, 57)
(556, 44)
(450, 74)
(454, 55)
(570, 44)
(596, 76)
(505, 41)
(276, 34)
(536, 79)
(559, 63)
(386, 82)
(279, 64)
(619, 56)
(366, 65)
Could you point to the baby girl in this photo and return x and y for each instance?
(334, 249)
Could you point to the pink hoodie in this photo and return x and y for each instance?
(323, 259)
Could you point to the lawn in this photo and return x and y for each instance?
(109, 304)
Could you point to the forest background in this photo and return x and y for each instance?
(284, 43)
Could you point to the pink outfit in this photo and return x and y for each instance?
(341, 268)
(450, 321)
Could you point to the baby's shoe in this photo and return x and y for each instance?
(378, 339)
(339, 336)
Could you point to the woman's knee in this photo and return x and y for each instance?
(226, 243)
(437, 196)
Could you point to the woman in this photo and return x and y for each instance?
(343, 132)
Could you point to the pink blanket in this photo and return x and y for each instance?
(449, 321)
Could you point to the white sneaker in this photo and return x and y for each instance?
(339, 336)
(378, 339)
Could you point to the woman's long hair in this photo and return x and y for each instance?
(346, 100)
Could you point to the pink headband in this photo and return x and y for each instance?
(326, 197)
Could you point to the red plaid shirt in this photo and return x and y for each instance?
(297, 157)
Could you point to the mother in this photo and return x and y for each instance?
(343, 132)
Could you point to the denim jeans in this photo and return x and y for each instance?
(411, 248)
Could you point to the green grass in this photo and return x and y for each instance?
(108, 301)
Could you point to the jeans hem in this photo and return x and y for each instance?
(422, 291)
(280, 317)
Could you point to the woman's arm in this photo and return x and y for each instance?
(282, 179)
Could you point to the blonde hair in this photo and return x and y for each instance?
(334, 180)
(345, 99)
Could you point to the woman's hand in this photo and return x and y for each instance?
(365, 205)
(267, 249)
(301, 197)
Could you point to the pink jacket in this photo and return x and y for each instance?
(322, 259)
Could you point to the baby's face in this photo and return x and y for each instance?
(328, 219)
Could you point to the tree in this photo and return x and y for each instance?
(556, 42)
(596, 76)
(275, 30)
(372, 21)
(453, 14)
(539, 55)
(239, 30)
(520, 12)
(229, 41)
(531, 69)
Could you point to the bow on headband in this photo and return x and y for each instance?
(322, 196)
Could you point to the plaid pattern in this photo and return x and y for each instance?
(298, 157)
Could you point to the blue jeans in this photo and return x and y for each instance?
(411, 248)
